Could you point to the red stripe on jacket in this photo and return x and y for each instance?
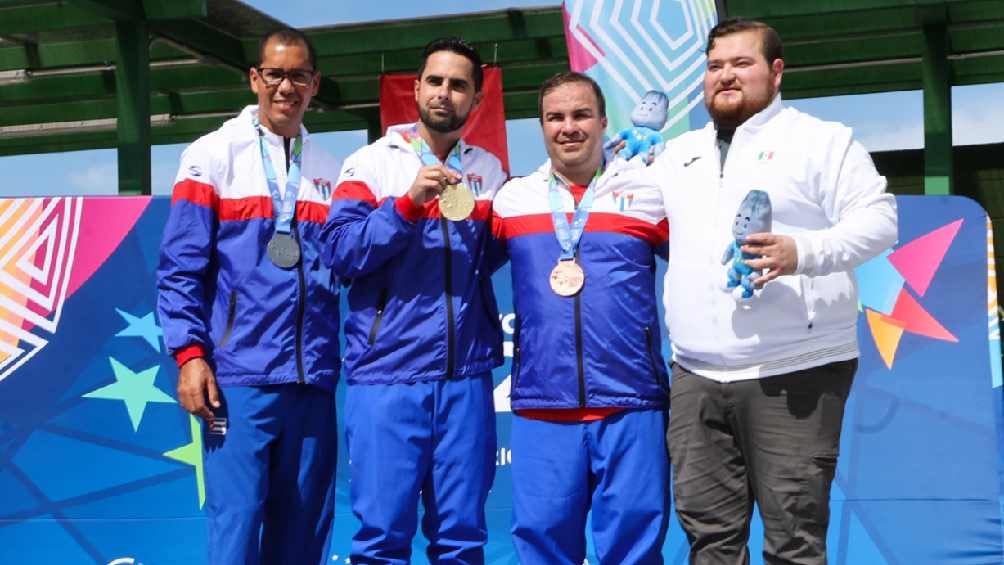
(195, 192)
(515, 226)
(354, 190)
(249, 208)
(358, 190)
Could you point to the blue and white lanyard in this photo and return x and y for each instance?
(569, 235)
(428, 158)
(283, 205)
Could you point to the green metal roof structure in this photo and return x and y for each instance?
(84, 74)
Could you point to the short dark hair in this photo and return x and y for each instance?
(460, 47)
(561, 79)
(287, 36)
(770, 41)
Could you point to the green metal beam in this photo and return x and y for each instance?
(415, 33)
(937, 111)
(128, 10)
(132, 81)
(213, 43)
(117, 10)
(406, 60)
(851, 79)
(205, 39)
(46, 17)
(98, 51)
(766, 9)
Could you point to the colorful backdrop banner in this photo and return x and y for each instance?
(99, 464)
(630, 48)
(485, 127)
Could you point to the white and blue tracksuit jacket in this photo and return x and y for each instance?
(220, 297)
(601, 347)
(421, 304)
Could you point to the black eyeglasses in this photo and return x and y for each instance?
(274, 76)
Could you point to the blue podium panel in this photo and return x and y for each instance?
(98, 463)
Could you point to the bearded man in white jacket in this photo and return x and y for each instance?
(759, 386)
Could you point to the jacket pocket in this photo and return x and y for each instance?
(381, 306)
(653, 362)
(488, 303)
(231, 315)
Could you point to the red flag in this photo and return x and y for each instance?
(485, 127)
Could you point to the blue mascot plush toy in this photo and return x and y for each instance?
(648, 117)
(754, 216)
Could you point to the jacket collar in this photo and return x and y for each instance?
(756, 121)
(400, 136)
(250, 113)
(614, 166)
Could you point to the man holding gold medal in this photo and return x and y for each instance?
(589, 386)
(422, 332)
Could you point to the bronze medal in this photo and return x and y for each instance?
(567, 278)
(456, 202)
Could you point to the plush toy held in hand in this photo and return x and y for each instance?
(648, 117)
(754, 216)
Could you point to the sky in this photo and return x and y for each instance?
(883, 121)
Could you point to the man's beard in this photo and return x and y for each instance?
(447, 125)
(731, 116)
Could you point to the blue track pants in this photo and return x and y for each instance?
(434, 440)
(617, 467)
(270, 478)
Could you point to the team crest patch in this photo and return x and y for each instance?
(475, 182)
(623, 199)
(324, 187)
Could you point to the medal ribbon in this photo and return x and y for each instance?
(429, 158)
(283, 206)
(569, 235)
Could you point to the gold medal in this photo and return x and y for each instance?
(567, 278)
(456, 202)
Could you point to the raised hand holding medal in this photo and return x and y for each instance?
(456, 201)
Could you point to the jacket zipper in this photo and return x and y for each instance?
(578, 350)
(381, 306)
(515, 354)
(300, 306)
(231, 314)
(450, 330)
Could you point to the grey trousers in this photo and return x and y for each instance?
(773, 441)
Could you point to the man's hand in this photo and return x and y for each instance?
(780, 256)
(430, 181)
(195, 383)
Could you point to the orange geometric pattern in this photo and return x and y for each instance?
(38, 240)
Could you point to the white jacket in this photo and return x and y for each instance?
(825, 193)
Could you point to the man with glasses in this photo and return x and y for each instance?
(250, 314)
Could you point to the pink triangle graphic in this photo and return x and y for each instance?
(579, 58)
(916, 320)
(919, 259)
(104, 223)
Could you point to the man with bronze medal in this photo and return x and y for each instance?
(589, 385)
(422, 332)
(253, 326)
